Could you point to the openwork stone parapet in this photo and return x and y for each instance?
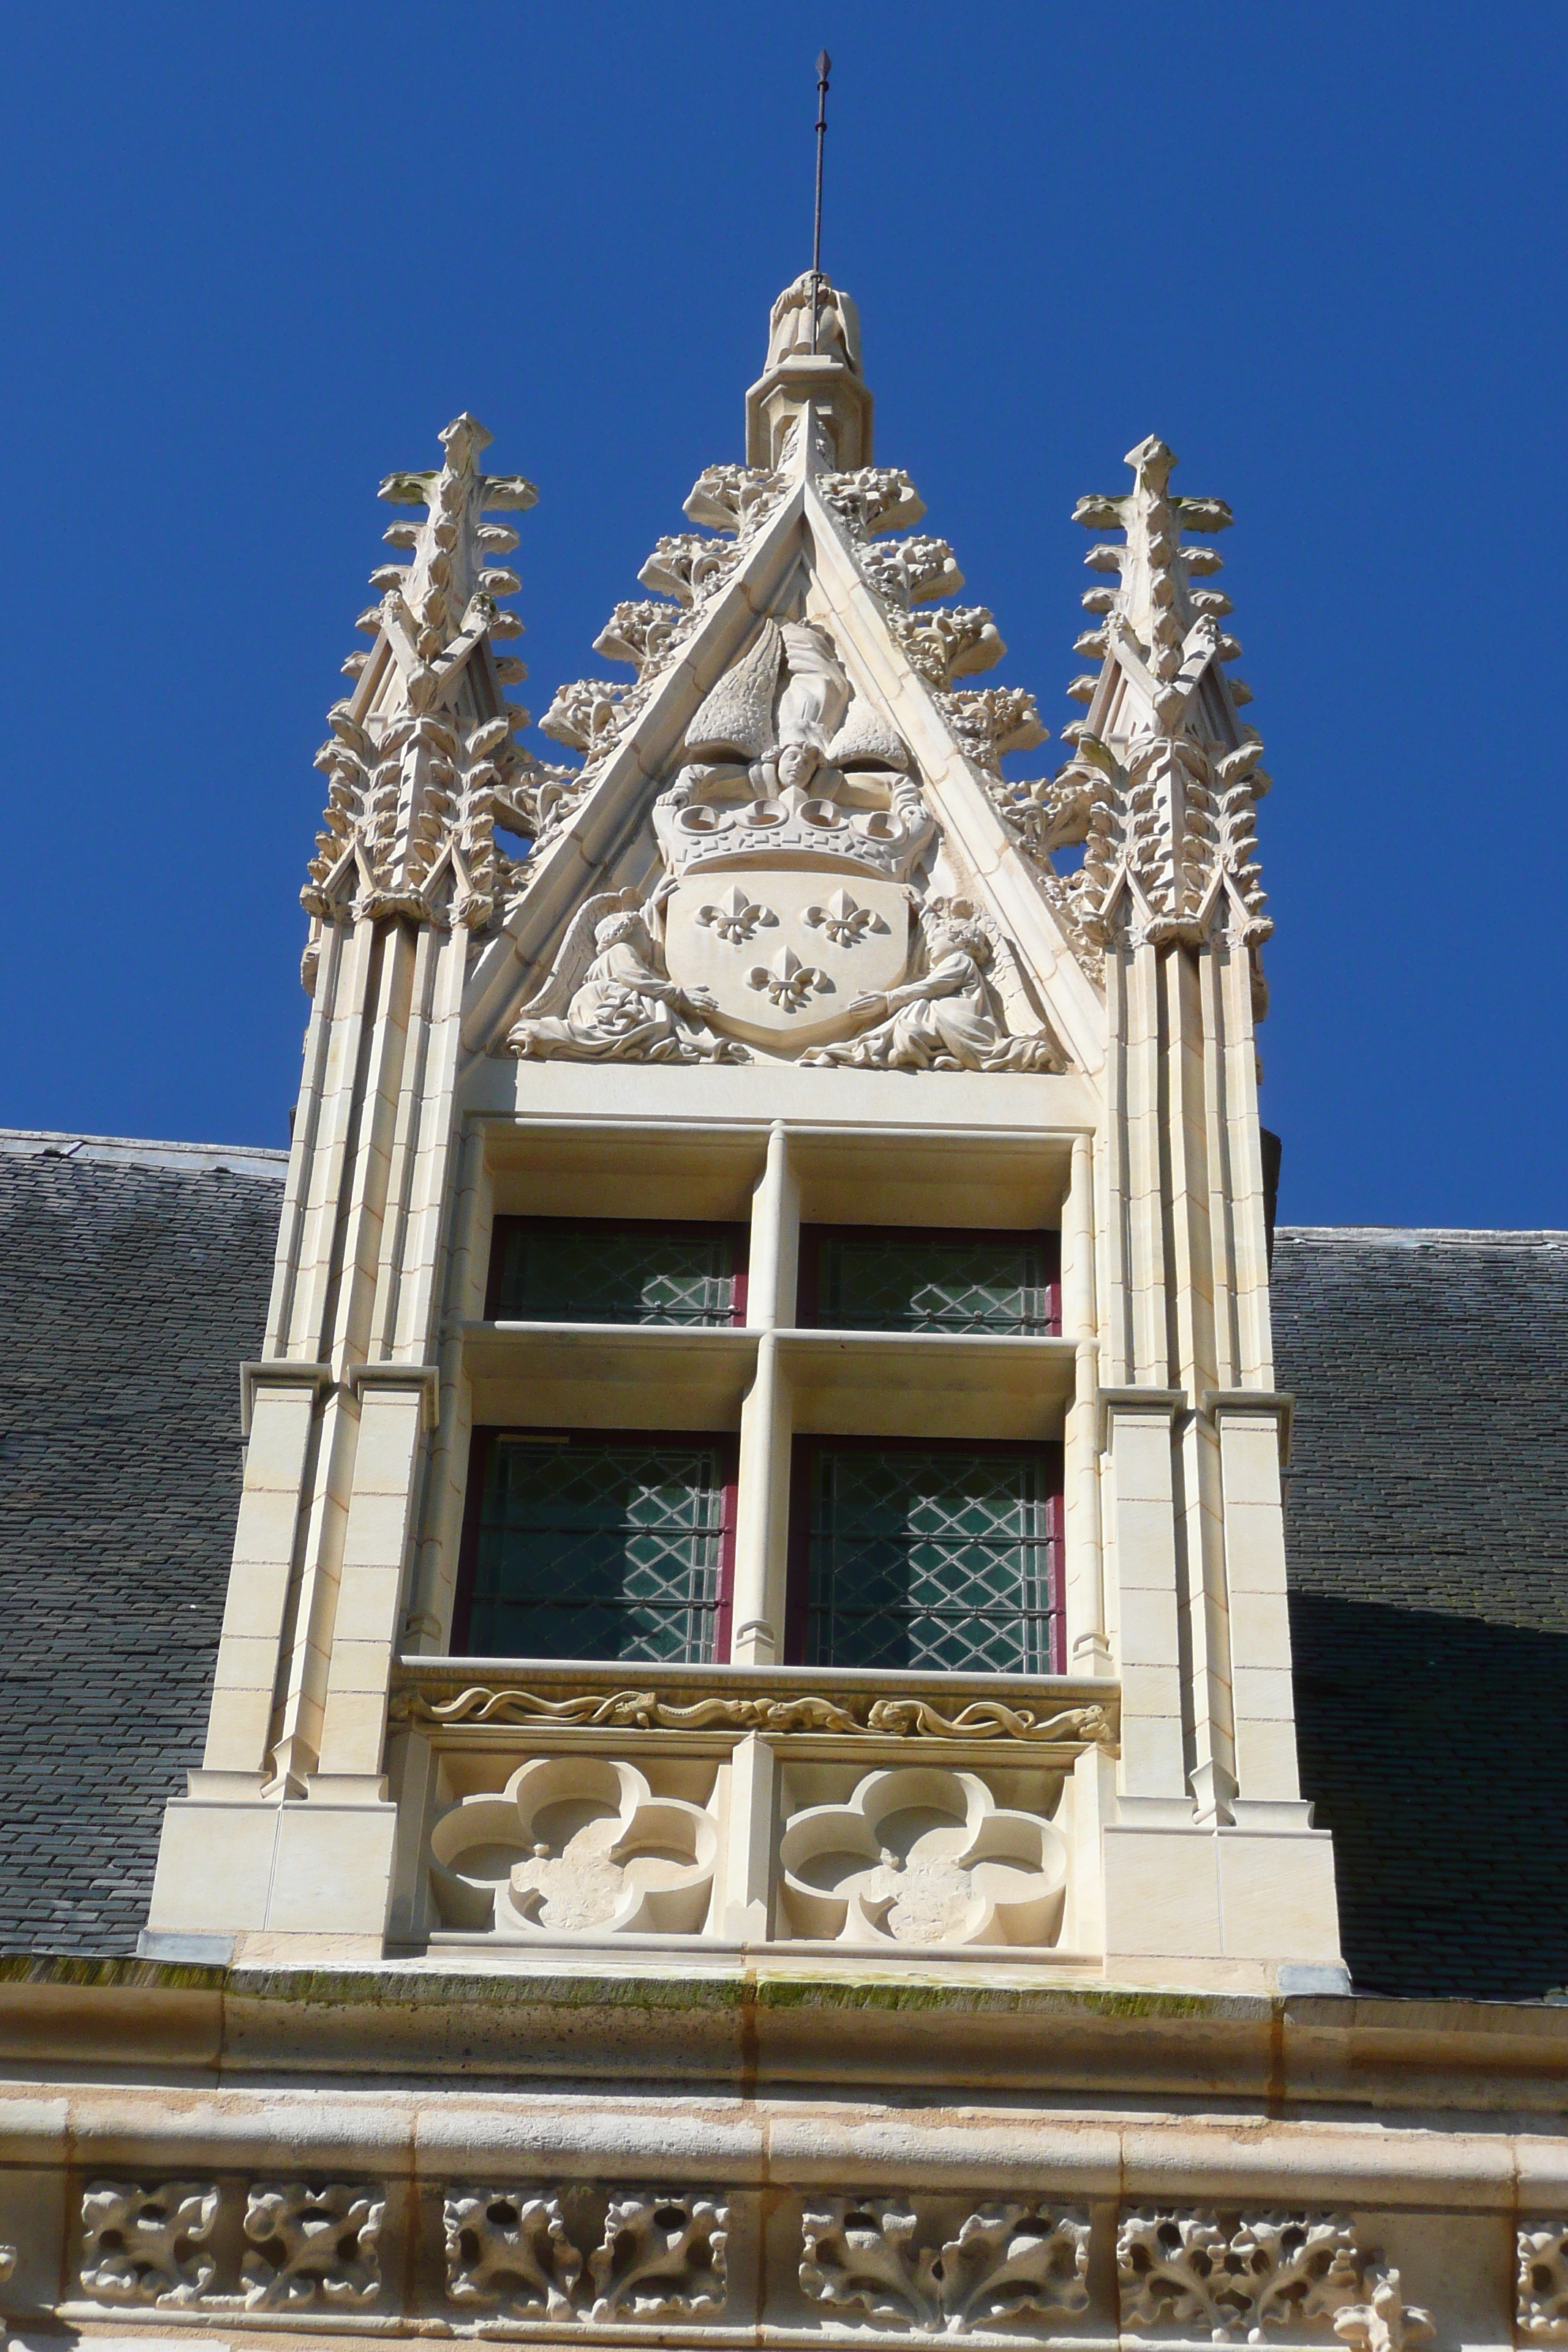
(519, 2256)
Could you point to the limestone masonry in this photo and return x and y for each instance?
(749, 1787)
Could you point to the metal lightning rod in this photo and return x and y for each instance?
(824, 68)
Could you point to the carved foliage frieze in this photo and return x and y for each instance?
(857, 1713)
(660, 2255)
(302, 2244)
(148, 2245)
(1543, 2294)
(1005, 2262)
(311, 2245)
(564, 2254)
(1225, 2277)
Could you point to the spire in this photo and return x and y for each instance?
(1163, 786)
(420, 759)
(813, 357)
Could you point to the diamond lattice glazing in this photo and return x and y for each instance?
(602, 1273)
(898, 1282)
(598, 1551)
(940, 1561)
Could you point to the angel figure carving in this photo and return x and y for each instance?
(948, 1017)
(624, 1008)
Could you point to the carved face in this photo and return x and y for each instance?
(797, 763)
(960, 939)
(616, 927)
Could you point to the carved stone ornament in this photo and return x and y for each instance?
(573, 1845)
(1543, 2299)
(1005, 2262)
(923, 1856)
(1162, 790)
(508, 2253)
(1220, 2278)
(794, 812)
(1385, 2322)
(947, 1015)
(662, 2255)
(421, 764)
(610, 997)
(311, 2245)
(645, 1710)
(148, 2245)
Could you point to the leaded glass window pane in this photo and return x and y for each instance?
(938, 1560)
(604, 1272)
(598, 1551)
(890, 1280)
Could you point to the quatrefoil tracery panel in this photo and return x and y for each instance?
(920, 1855)
(574, 1846)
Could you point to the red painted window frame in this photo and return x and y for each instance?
(804, 1452)
(724, 1444)
(739, 1236)
(1047, 1238)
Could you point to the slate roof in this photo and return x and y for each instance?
(133, 1281)
(1426, 1529)
(1426, 1515)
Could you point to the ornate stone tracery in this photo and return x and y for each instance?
(1007, 2264)
(148, 2245)
(420, 763)
(572, 1846)
(922, 1857)
(1222, 2277)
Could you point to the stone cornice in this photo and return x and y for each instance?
(785, 2025)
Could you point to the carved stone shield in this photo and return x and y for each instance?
(786, 952)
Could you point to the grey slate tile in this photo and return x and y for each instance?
(129, 1295)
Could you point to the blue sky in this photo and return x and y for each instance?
(256, 257)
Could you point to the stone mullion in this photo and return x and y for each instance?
(336, 947)
(1089, 1650)
(367, 1171)
(410, 1123)
(465, 1277)
(762, 1503)
(1256, 1364)
(331, 1143)
(1111, 1185)
(1222, 1251)
(1146, 1205)
(413, 1335)
(1200, 1549)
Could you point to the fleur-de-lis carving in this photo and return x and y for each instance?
(736, 918)
(845, 923)
(787, 982)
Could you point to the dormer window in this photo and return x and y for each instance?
(596, 1270)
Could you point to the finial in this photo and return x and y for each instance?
(824, 68)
